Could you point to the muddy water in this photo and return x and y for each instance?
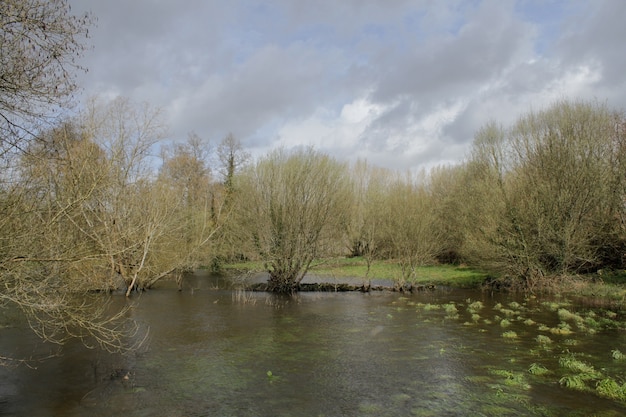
(215, 352)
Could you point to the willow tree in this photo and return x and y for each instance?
(367, 212)
(292, 207)
(146, 226)
(559, 176)
(41, 42)
(410, 226)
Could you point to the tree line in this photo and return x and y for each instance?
(103, 200)
(538, 200)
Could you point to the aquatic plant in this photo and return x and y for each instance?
(565, 314)
(592, 323)
(573, 382)
(509, 313)
(515, 305)
(516, 379)
(529, 322)
(450, 308)
(562, 329)
(617, 355)
(554, 306)
(451, 311)
(475, 307)
(509, 335)
(271, 377)
(543, 340)
(505, 323)
(584, 370)
(538, 369)
(609, 388)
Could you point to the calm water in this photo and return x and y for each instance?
(215, 352)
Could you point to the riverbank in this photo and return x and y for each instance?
(606, 287)
(336, 268)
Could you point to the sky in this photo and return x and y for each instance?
(403, 84)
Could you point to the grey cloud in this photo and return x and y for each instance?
(251, 67)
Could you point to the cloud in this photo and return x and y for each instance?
(404, 84)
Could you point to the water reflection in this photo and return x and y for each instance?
(211, 352)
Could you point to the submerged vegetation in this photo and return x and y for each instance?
(553, 359)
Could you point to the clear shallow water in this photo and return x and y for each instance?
(328, 354)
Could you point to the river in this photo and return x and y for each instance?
(213, 351)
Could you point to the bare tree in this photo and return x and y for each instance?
(367, 214)
(40, 43)
(410, 225)
(232, 157)
(292, 209)
(186, 171)
(553, 188)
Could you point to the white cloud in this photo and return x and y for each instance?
(402, 83)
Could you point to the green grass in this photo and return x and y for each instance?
(449, 275)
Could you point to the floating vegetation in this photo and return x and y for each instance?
(592, 323)
(554, 306)
(583, 369)
(572, 372)
(566, 315)
(450, 308)
(401, 398)
(538, 369)
(271, 377)
(543, 340)
(474, 307)
(609, 388)
(508, 312)
(511, 378)
(562, 329)
(573, 382)
(451, 311)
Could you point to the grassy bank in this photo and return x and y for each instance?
(607, 287)
(449, 275)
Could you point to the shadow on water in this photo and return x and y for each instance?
(217, 351)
